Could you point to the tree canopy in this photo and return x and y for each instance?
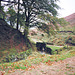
(30, 13)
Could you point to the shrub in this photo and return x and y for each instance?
(16, 56)
(70, 40)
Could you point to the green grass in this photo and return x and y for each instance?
(54, 47)
(20, 67)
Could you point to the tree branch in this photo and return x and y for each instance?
(10, 1)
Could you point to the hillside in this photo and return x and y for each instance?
(42, 64)
(71, 19)
(61, 38)
(13, 46)
(11, 40)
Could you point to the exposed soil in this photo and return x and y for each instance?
(65, 67)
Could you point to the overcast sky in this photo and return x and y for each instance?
(67, 7)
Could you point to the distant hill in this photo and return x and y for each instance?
(70, 19)
(71, 25)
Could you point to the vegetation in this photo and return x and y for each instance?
(59, 39)
(70, 40)
(54, 47)
(12, 55)
(32, 13)
(12, 19)
(37, 58)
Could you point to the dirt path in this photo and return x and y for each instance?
(65, 67)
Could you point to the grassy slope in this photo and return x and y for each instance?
(59, 39)
(37, 58)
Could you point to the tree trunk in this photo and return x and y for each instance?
(11, 23)
(25, 32)
(18, 15)
(33, 47)
(0, 3)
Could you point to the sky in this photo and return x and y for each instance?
(67, 8)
